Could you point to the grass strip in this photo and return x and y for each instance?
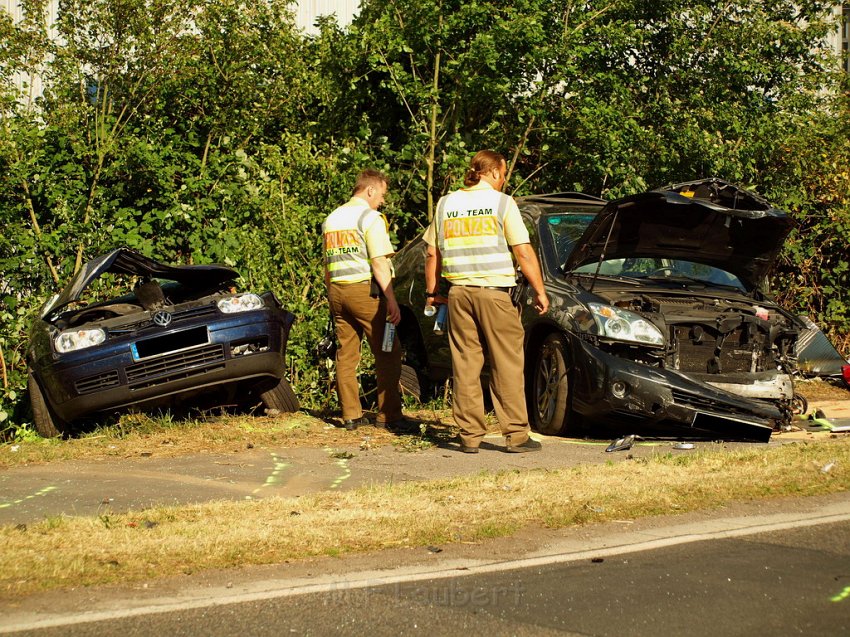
(74, 551)
(137, 434)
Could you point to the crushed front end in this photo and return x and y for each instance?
(720, 369)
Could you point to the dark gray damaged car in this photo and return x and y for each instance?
(659, 324)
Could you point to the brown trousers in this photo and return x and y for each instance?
(355, 314)
(480, 317)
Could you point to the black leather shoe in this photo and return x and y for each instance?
(400, 425)
(528, 445)
(351, 425)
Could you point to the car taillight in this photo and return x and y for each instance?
(845, 371)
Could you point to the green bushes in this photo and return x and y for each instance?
(215, 132)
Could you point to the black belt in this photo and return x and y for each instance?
(507, 290)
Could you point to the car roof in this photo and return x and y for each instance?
(561, 198)
(535, 205)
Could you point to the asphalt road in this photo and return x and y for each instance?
(781, 574)
(31, 493)
(93, 487)
(729, 572)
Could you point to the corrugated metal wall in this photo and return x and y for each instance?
(306, 13)
(309, 10)
(845, 38)
(11, 7)
(30, 87)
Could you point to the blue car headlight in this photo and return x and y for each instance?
(72, 340)
(241, 303)
(624, 325)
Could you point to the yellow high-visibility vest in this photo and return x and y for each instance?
(344, 237)
(470, 233)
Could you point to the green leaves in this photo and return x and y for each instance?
(213, 132)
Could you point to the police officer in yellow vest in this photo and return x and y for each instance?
(357, 247)
(470, 241)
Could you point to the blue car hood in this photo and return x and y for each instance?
(128, 261)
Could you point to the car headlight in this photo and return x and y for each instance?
(72, 340)
(624, 325)
(241, 303)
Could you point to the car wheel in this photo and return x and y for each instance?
(408, 382)
(799, 405)
(281, 397)
(46, 424)
(413, 380)
(550, 386)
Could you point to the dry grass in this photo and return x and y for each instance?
(815, 389)
(137, 434)
(61, 552)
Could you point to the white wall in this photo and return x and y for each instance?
(29, 87)
(309, 10)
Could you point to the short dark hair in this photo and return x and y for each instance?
(483, 162)
(369, 177)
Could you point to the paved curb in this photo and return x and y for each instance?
(571, 545)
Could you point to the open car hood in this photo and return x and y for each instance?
(706, 221)
(128, 261)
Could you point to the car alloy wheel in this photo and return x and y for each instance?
(550, 386)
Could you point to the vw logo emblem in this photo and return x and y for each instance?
(162, 318)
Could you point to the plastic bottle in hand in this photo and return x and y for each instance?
(440, 321)
(389, 337)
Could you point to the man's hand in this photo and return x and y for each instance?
(530, 266)
(541, 302)
(436, 300)
(393, 311)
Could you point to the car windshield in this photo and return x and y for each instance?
(564, 231)
(673, 270)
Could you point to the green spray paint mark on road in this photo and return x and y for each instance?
(342, 463)
(842, 595)
(346, 472)
(41, 492)
(274, 477)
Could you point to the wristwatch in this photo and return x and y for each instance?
(430, 295)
